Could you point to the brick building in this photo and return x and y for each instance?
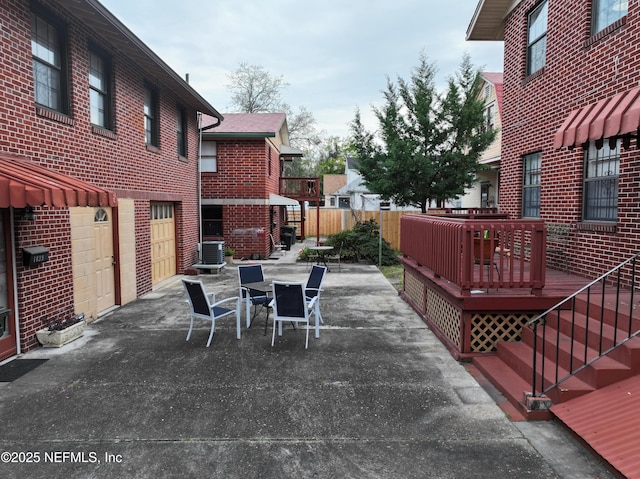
(98, 166)
(570, 120)
(243, 163)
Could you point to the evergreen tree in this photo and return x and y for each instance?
(427, 148)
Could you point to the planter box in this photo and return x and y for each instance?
(55, 339)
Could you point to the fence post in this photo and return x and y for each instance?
(384, 206)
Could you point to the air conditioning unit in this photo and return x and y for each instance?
(212, 252)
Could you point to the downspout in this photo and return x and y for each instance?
(200, 130)
(16, 312)
(199, 120)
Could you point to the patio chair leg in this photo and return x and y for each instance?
(266, 322)
(213, 330)
(190, 329)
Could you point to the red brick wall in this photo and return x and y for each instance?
(120, 162)
(578, 71)
(45, 292)
(244, 175)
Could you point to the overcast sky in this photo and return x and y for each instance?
(335, 54)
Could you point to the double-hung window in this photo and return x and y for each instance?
(532, 169)
(181, 131)
(208, 157)
(100, 89)
(490, 117)
(151, 119)
(606, 12)
(601, 169)
(537, 38)
(50, 76)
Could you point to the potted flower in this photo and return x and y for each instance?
(61, 331)
(228, 255)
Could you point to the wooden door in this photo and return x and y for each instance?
(104, 260)
(163, 242)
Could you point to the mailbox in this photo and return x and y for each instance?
(34, 255)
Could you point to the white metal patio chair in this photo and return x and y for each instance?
(277, 249)
(313, 288)
(290, 304)
(203, 305)
(251, 273)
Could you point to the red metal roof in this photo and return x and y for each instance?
(25, 183)
(608, 420)
(615, 116)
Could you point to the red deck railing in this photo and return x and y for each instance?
(477, 253)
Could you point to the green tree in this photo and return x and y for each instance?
(428, 146)
(333, 152)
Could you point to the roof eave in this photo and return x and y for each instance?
(222, 134)
(487, 23)
(99, 19)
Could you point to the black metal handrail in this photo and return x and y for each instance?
(616, 277)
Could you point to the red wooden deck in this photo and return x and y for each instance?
(557, 286)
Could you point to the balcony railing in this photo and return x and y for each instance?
(477, 254)
(300, 188)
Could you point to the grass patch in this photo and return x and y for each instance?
(395, 275)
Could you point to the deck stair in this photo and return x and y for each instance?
(596, 322)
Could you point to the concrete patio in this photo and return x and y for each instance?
(376, 396)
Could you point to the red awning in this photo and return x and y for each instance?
(24, 183)
(615, 116)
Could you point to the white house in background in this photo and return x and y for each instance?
(355, 195)
(484, 193)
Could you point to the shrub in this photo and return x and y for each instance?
(362, 243)
(304, 254)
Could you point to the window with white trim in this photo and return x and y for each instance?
(208, 157)
(490, 117)
(532, 170)
(537, 38)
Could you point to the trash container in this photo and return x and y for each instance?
(286, 240)
(288, 236)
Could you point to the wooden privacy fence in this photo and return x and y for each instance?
(335, 220)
